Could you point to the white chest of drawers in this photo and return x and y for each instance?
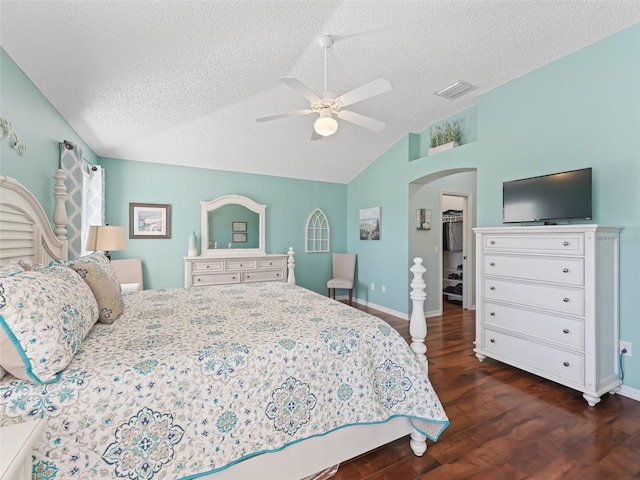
(548, 303)
(205, 270)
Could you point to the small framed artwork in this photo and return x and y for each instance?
(239, 227)
(239, 237)
(149, 220)
(370, 223)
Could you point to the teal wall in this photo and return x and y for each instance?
(580, 111)
(289, 204)
(39, 126)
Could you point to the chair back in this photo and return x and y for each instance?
(129, 271)
(344, 265)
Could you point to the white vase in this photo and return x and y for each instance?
(193, 249)
(442, 148)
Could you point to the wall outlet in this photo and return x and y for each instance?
(384, 289)
(373, 286)
(625, 346)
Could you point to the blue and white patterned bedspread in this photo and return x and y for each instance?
(189, 381)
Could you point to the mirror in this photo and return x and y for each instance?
(232, 220)
(423, 219)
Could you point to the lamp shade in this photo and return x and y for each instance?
(325, 125)
(105, 238)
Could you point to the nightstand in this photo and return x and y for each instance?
(16, 445)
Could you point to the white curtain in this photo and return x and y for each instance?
(85, 196)
(92, 201)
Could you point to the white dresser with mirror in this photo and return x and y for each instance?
(233, 246)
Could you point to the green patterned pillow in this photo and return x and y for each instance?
(44, 316)
(97, 271)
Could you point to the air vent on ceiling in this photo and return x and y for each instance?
(455, 90)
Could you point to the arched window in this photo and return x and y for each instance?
(317, 232)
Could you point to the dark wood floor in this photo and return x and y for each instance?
(505, 423)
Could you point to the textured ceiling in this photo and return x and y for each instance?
(182, 82)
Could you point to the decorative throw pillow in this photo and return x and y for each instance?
(97, 271)
(44, 316)
(28, 265)
(9, 269)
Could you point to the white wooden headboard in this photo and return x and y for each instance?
(25, 231)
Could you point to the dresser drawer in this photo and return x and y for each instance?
(557, 362)
(277, 263)
(557, 298)
(266, 276)
(216, 278)
(556, 243)
(212, 266)
(569, 270)
(239, 265)
(563, 330)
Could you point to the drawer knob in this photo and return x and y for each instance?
(270, 263)
(248, 276)
(565, 243)
(199, 279)
(233, 278)
(566, 364)
(565, 270)
(566, 330)
(492, 264)
(240, 264)
(492, 242)
(493, 314)
(493, 340)
(277, 274)
(565, 299)
(492, 288)
(208, 266)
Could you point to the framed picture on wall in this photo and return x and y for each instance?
(370, 225)
(149, 220)
(238, 226)
(239, 237)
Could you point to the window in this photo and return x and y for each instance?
(317, 232)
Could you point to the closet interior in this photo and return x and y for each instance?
(452, 246)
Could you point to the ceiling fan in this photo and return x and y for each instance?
(329, 106)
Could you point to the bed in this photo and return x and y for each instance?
(264, 380)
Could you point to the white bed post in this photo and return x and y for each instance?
(59, 211)
(418, 332)
(291, 265)
(418, 323)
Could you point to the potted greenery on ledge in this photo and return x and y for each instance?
(444, 136)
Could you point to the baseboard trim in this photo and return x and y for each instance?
(632, 393)
(395, 313)
(433, 313)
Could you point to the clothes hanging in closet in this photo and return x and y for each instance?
(452, 236)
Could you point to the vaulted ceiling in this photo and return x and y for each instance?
(182, 82)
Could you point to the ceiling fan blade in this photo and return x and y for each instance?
(301, 88)
(361, 120)
(315, 135)
(366, 91)
(284, 115)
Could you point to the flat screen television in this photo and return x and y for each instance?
(559, 196)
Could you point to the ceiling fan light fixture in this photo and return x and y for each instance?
(325, 125)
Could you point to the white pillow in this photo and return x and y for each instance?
(44, 316)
